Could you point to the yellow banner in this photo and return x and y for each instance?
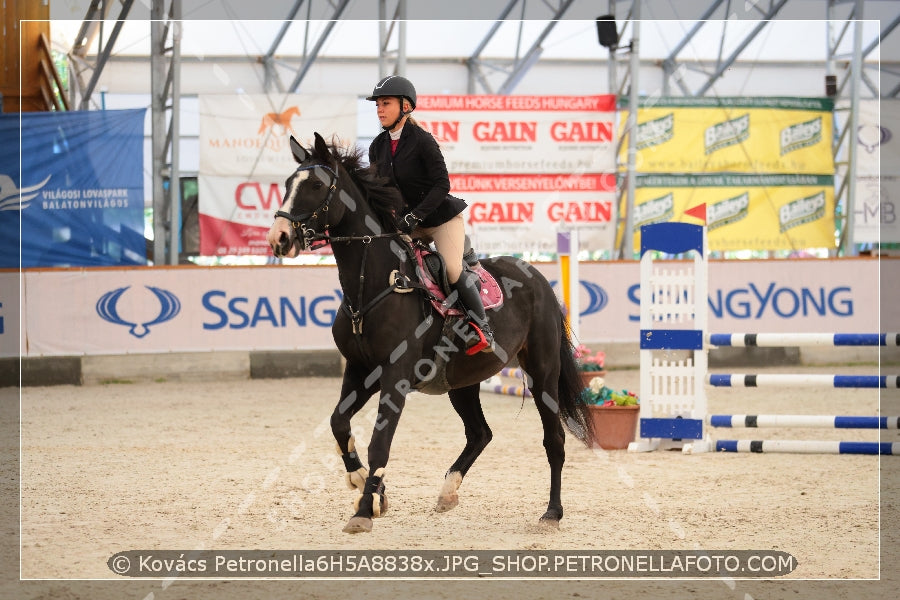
(758, 212)
(741, 135)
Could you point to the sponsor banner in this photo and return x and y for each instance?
(878, 149)
(877, 173)
(743, 135)
(10, 310)
(759, 212)
(80, 199)
(247, 134)
(876, 217)
(522, 134)
(245, 159)
(522, 213)
(182, 309)
(240, 211)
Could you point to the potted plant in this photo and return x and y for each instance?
(591, 363)
(614, 415)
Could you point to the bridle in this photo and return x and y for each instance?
(302, 221)
(398, 281)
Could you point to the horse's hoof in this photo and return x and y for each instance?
(384, 506)
(446, 502)
(448, 498)
(358, 525)
(550, 523)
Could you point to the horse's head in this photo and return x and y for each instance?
(310, 205)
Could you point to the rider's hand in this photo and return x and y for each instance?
(408, 223)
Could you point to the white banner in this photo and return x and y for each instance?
(522, 134)
(247, 134)
(152, 310)
(877, 172)
(528, 165)
(245, 158)
(522, 213)
(178, 309)
(876, 216)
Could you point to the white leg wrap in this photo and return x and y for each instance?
(357, 479)
(451, 483)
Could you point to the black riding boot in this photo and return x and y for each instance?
(469, 289)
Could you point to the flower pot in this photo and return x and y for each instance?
(586, 376)
(614, 426)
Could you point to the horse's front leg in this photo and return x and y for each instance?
(354, 395)
(372, 503)
(467, 404)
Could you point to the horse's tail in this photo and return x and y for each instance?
(573, 410)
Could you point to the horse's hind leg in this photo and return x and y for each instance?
(545, 390)
(354, 395)
(467, 404)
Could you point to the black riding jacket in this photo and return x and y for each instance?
(419, 171)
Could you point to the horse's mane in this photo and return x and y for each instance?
(383, 197)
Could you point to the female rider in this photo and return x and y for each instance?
(410, 157)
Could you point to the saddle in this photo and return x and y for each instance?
(431, 271)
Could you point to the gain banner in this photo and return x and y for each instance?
(528, 165)
(245, 159)
(772, 212)
(739, 135)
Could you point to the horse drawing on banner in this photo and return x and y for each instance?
(282, 119)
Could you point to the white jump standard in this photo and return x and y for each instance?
(673, 317)
(673, 401)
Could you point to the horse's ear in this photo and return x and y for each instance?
(299, 152)
(322, 149)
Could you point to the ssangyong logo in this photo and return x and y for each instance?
(107, 308)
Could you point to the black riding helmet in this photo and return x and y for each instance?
(400, 87)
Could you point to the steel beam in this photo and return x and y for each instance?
(770, 14)
(309, 60)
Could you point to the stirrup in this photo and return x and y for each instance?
(482, 345)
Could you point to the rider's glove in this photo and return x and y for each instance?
(408, 223)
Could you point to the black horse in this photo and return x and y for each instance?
(396, 342)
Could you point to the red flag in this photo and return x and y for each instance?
(698, 212)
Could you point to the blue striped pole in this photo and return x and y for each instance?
(776, 340)
(836, 422)
(799, 380)
(807, 447)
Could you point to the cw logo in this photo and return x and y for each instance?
(597, 297)
(283, 119)
(170, 306)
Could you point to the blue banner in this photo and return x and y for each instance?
(80, 199)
